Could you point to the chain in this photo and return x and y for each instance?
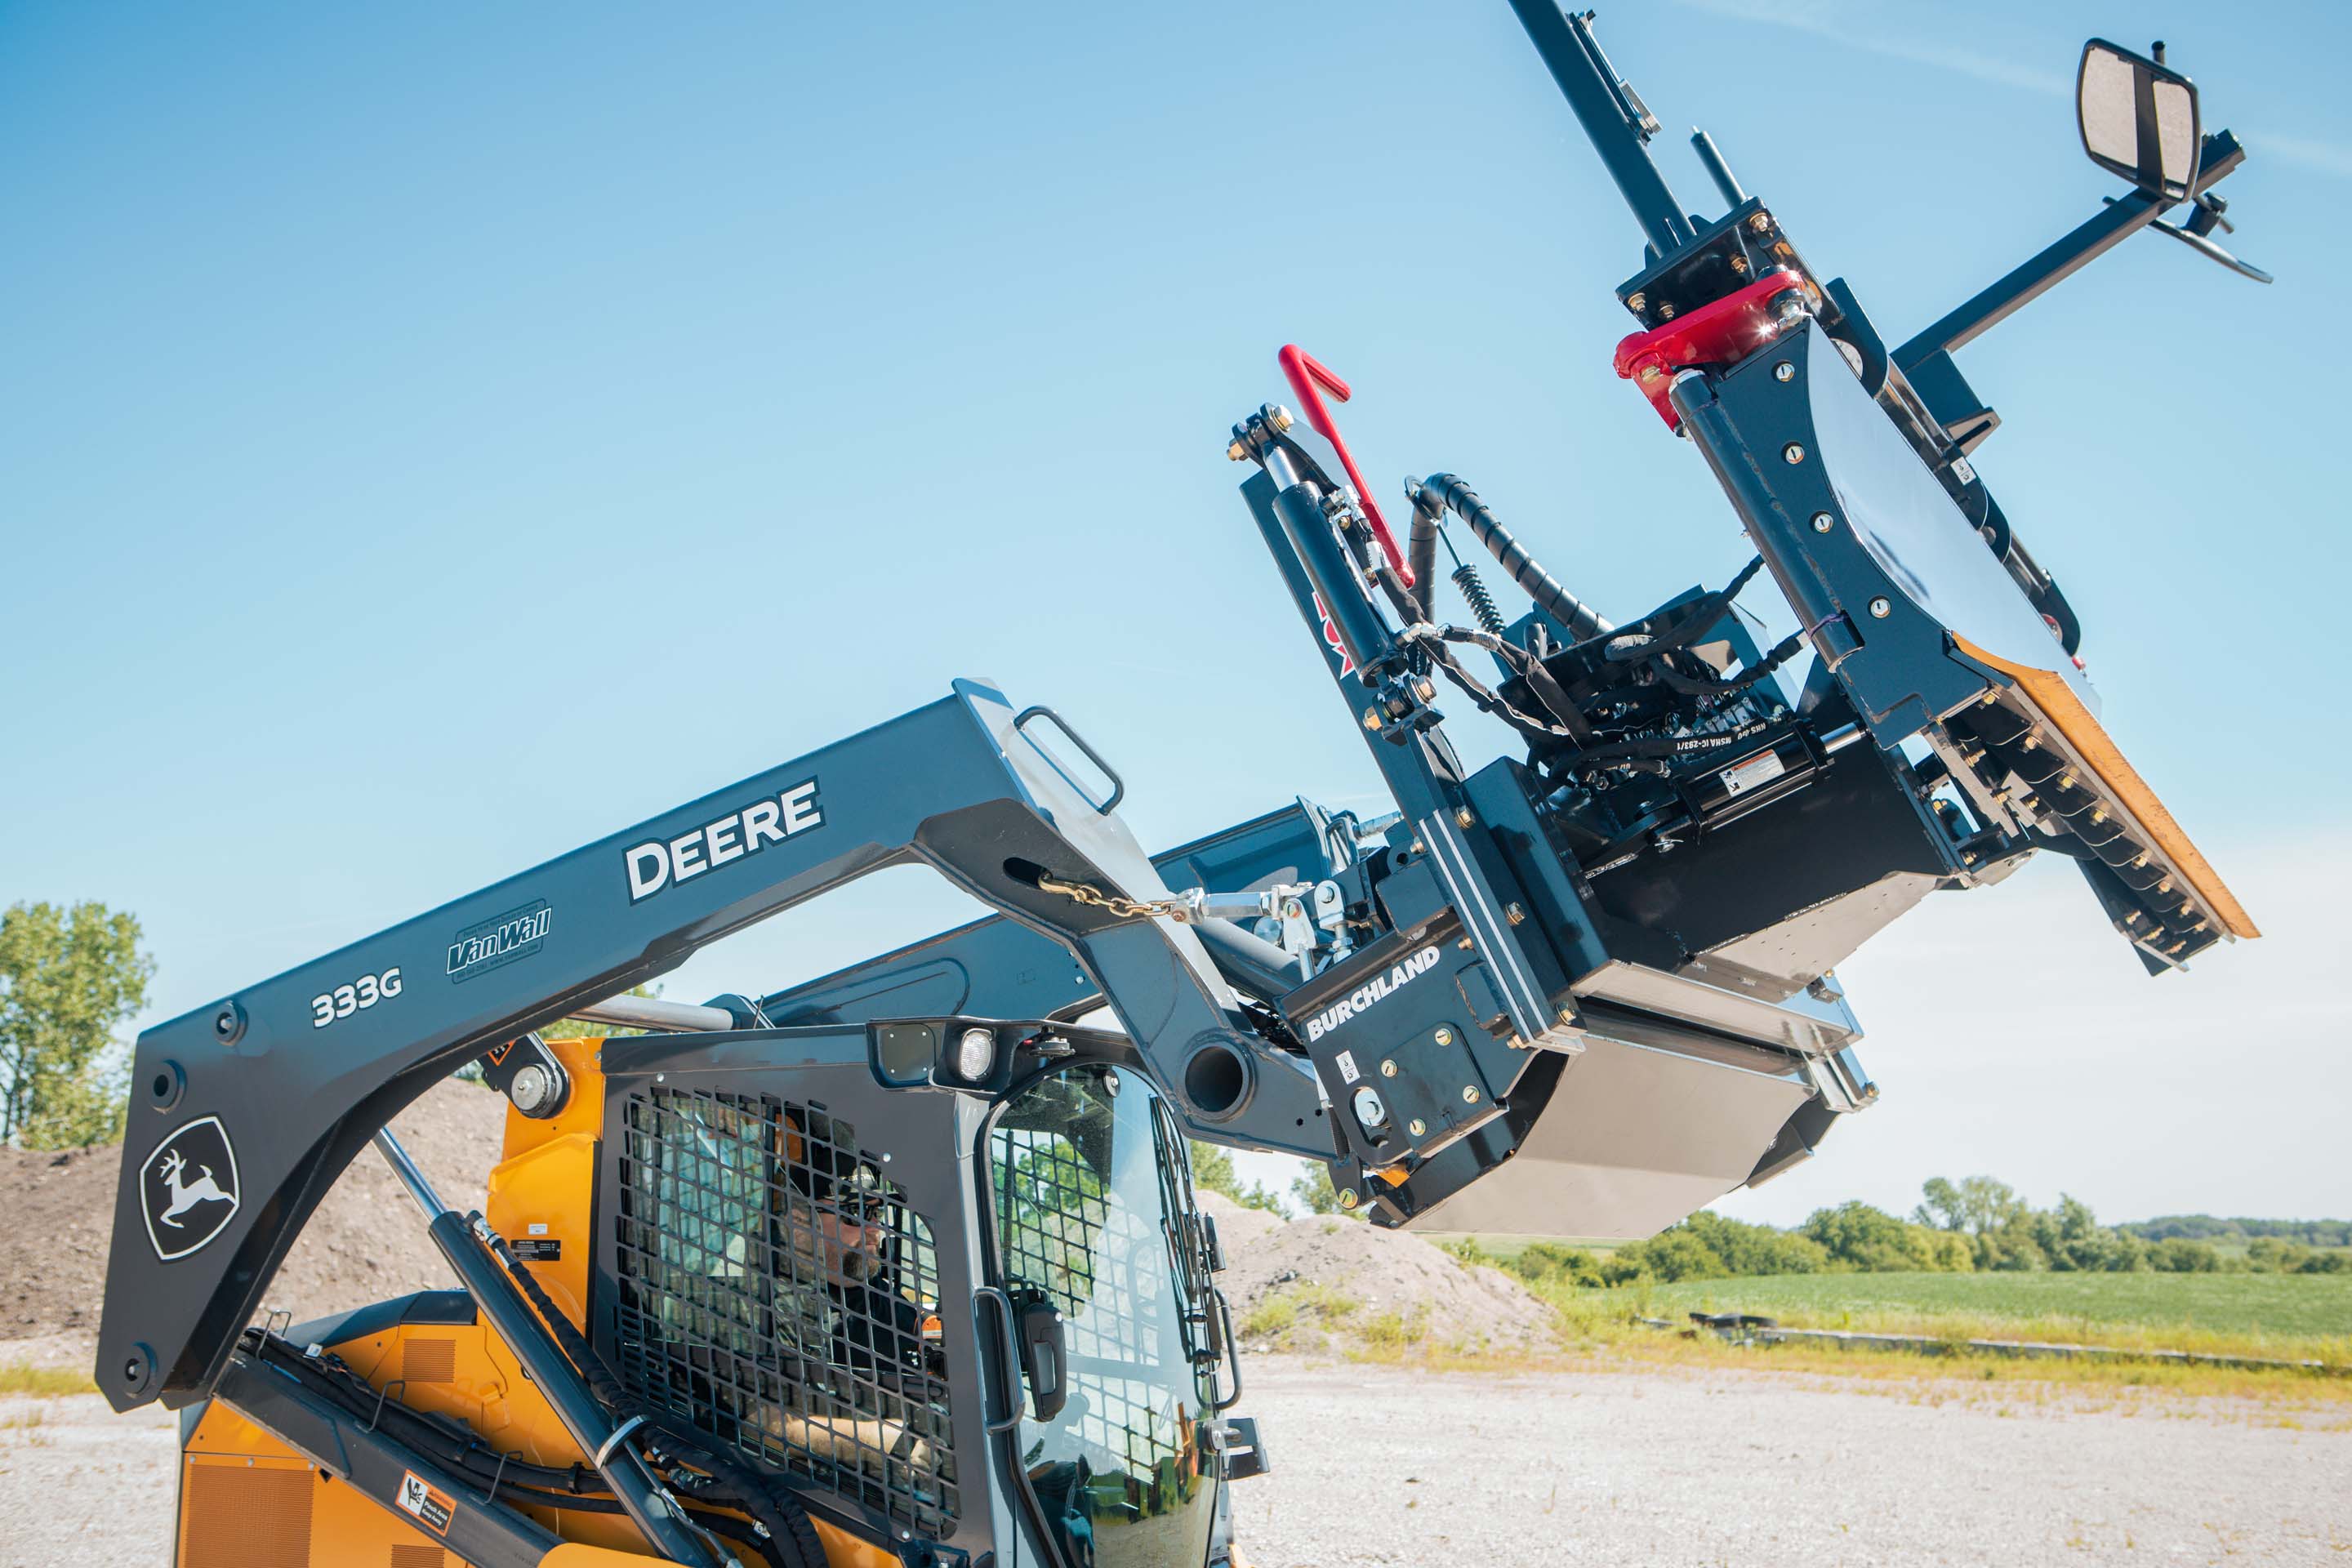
(1126, 909)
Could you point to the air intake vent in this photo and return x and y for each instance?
(773, 1289)
(419, 1557)
(247, 1518)
(428, 1361)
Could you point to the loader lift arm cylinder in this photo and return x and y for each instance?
(649, 1505)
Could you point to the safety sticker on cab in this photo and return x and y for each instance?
(426, 1502)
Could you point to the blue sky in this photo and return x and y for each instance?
(437, 436)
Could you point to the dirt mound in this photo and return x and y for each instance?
(365, 1242)
(1236, 1226)
(1321, 1284)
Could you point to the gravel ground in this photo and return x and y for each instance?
(1396, 1466)
(1378, 1465)
(81, 1487)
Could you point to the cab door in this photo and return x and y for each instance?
(1089, 1199)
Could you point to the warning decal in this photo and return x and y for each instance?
(426, 1502)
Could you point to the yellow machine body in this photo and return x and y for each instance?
(247, 1500)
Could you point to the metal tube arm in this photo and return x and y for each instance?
(2061, 259)
(1615, 120)
(246, 1111)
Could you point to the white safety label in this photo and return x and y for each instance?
(1760, 769)
(1347, 1060)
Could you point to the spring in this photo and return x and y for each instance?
(1482, 604)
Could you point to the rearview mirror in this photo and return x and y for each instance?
(2138, 118)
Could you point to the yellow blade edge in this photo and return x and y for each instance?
(2050, 693)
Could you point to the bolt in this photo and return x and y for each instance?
(1444, 1037)
(1388, 1069)
(1516, 915)
(1637, 303)
(1462, 817)
(532, 1088)
(1416, 1127)
(1372, 718)
(1792, 453)
(1469, 1094)
(1568, 1014)
(1666, 312)
(1425, 689)
(1784, 371)
(1823, 523)
(1279, 418)
(1761, 223)
(1739, 265)
(1236, 452)
(1348, 1199)
(1881, 608)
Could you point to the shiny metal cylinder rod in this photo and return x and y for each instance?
(652, 1013)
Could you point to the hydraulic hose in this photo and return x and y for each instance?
(1420, 553)
(1447, 492)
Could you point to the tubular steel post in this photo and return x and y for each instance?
(1718, 170)
(1613, 123)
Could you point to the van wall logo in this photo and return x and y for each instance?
(1373, 990)
(187, 1189)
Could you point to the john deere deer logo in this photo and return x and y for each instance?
(188, 1188)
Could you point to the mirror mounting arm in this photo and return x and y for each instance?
(2089, 240)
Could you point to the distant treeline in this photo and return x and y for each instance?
(2205, 1227)
(1976, 1225)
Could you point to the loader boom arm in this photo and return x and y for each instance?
(301, 1072)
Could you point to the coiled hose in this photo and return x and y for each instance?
(1441, 492)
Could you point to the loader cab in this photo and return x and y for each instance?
(946, 1301)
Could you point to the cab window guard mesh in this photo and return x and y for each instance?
(776, 1291)
(1100, 1247)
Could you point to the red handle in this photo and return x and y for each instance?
(1309, 378)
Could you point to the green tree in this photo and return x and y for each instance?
(2184, 1255)
(1214, 1172)
(1978, 1205)
(1551, 1263)
(69, 977)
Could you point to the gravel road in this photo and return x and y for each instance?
(1380, 1465)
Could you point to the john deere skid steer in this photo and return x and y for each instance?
(901, 1263)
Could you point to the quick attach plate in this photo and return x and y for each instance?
(1413, 1019)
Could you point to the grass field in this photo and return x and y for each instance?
(2297, 1316)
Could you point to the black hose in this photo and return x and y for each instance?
(460, 1450)
(773, 1505)
(1443, 489)
(1420, 553)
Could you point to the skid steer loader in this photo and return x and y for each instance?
(901, 1263)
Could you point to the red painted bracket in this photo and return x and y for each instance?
(1721, 331)
(1309, 378)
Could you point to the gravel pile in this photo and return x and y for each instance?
(365, 1242)
(1342, 1279)
(1324, 1285)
